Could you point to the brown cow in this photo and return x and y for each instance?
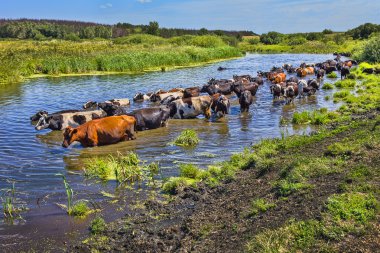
(278, 78)
(103, 131)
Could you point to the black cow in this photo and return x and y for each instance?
(344, 72)
(245, 100)
(239, 87)
(151, 118)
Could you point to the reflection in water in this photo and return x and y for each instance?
(33, 158)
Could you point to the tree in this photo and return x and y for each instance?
(153, 28)
(327, 31)
(203, 31)
(271, 38)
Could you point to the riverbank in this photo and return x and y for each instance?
(311, 47)
(296, 193)
(28, 59)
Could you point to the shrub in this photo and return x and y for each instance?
(188, 138)
(301, 117)
(348, 84)
(80, 209)
(254, 41)
(327, 86)
(189, 171)
(332, 75)
(97, 225)
(371, 50)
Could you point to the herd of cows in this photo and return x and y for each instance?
(110, 122)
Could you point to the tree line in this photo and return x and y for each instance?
(76, 30)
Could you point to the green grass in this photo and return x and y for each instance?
(79, 209)
(317, 117)
(122, 168)
(97, 225)
(187, 138)
(358, 207)
(327, 86)
(260, 206)
(346, 84)
(332, 75)
(132, 54)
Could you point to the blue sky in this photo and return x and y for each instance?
(257, 15)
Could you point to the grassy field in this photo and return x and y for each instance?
(303, 193)
(25, 58)
(318, 47)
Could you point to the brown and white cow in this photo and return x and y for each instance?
(103, 131)
(187, 108)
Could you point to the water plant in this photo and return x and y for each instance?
(69, 192)
(187, 138)
(332, 75)
(327, 86)
(8, 200)
(97, 225)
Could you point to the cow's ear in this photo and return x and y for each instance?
(74, 131)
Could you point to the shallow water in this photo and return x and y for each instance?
(33, 158)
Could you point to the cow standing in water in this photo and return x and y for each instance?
(103, 131)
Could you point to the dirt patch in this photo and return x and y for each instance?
(217, 219)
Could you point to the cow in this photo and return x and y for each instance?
(187, 108)
(313, 83)
(116, 101)
(159, 96)
(302, 72)
(240, 78)
(292, 79)
(59, 121)
(277, 77)
(239, 87)
(39, 114)
(139, 97)
(245, 100)
(259, 80)
(90, 105)
(191, 92)
(224, 88)
(168, 100)
(220, 105)
(344, 72)
(151, 118)
(320, 73)
(368, 70)
(277, 89)
(290, 92)
(101, 131)
(221, 68)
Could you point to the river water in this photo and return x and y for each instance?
(32, 158)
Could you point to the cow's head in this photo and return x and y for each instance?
(138, 97)
(109, 108)
(43, 121)
(90, 104)
(69, 136)
(38, 115)
(222, 106)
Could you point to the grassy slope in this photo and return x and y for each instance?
(22, 59)
(317, 47)
(299, 193)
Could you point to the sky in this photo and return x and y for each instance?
(260, 16)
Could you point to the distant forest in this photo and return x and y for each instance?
(40, 29)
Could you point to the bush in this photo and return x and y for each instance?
(97, 225)
(79, 209)
(371, 50)
(327, 86)
(332, 75)
(271, 38)
(188, 138)
(254, 41)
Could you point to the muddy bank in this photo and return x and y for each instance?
(219, 219)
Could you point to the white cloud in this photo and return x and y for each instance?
(106, 6)
(144, 1)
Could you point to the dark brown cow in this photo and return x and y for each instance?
(103, 131)
(245, 100)
(191, 92)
